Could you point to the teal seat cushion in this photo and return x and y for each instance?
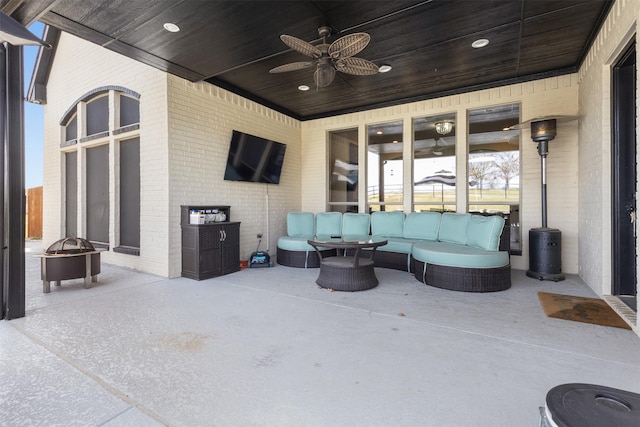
(456, 255)
(387, 224)
(453, 227)
(422, 225)
(398, 244)
(289, 243)
(355, 223)
(328, 223)
(300, 224)
(484, 232)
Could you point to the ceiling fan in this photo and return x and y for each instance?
(437, 150)
(329, 58)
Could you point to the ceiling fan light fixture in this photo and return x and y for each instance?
(444, 127)
(324, 75)
(385, 68)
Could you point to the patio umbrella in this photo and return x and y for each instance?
(438, 179)
(443, 178)
(14, 33)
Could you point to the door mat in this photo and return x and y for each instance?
(580, 309)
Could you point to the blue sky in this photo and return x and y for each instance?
(34, 120)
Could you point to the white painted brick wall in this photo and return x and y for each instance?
(201, 120)
(557, 95)
(184, 140)
(595, 142)
(75, 72)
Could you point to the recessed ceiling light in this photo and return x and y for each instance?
(395, 141)
(303, 87)
(480, 43)
(171, 27)
(379, 132)
(385, 68)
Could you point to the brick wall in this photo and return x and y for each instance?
(185, 133)
(595, 144)
(201, 120)
(75, 72)
(557, 95)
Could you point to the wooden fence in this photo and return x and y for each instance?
(33, 224)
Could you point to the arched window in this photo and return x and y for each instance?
(101, 125)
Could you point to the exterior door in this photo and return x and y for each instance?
(624, 169)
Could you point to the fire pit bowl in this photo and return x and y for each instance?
(70, 258)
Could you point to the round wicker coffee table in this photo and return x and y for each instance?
(347, 271)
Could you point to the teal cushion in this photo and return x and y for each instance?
(484, 232)
(294, 244)
(398, 244)
(388, 224)
(453, 227)
(422, 225)
(300, 224)
(355, 223)
(456, 255)
(328, 223)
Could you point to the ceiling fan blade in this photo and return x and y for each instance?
(291, 67)
(356, 66)
(348, 45)
(301, 46)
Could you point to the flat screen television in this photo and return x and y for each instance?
(254, 159)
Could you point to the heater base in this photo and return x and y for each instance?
(545, 258)
(545, 276)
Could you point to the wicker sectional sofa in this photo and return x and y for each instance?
(450, 250)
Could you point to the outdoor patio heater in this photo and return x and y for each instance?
(545, 249)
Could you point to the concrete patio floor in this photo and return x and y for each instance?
(267, 347)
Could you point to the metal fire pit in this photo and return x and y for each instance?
(70, 258)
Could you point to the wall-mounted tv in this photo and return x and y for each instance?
(254, 159)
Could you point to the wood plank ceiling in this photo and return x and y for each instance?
(234, 44)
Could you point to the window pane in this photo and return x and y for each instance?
(384, 166)
(343, 173)
(494, 164)
(98, 115)
(129, 111)
(130, 193)
(434, 163)
(71, 130)
(71, 193)
(97, 194)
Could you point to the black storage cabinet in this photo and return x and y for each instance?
(211, 249)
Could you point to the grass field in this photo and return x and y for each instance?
(490, 200)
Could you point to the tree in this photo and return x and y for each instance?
(479, 170)
(507, 164)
